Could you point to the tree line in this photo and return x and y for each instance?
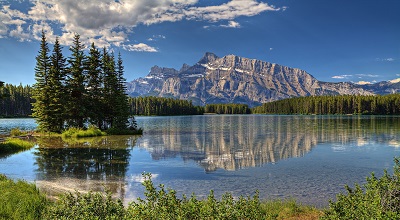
(15, 101)
(227, 109)
(151, 105)
(79, 90)
(343, 104)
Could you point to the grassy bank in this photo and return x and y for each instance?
(21, 200)
(15, 145)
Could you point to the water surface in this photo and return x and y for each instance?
(309, 158)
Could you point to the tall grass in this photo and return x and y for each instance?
(20, 200)
(15, 145)
(92, 131)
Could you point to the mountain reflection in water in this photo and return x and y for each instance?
(236, 142)
(226, 153)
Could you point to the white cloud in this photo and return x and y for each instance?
(390, 59)
(156, 37)
(341, 76)
(109, 22)
(367, 75)
(231, 24)
(141, 47)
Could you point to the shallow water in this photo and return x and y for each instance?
(309, 158)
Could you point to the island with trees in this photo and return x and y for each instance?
(81, 90)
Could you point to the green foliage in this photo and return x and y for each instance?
(20, 200)
(379, 198)
(163, 204)
(227, 109)
(92, 131)
(151, 105)
(85, 206)
(344, 104)
(80, 90)
(15, 132)
(15, 145)
(15, 101)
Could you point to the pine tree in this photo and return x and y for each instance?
(56, 81)
(122, 105)
(110, 88)
(41, 87)
(95, 79)
(75, 84)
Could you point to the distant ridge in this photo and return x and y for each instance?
(234, 79)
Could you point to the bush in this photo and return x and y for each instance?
(379, 198)
(15, 132)
(20, 200)
(15, 145)
(92, 131)
(85, 206)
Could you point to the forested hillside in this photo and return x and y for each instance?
(15, 101)
(346, 104)
(162, 106)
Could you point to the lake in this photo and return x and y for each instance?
(309, 158)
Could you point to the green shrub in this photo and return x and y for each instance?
(92, 131)
(15, 132)
(20, 200)
(379, 198)
(85, 206)
(15, 145)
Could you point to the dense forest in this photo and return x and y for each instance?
(15, 101)
(227, 109)
(162, 106)
(344, 104)
(80, 90)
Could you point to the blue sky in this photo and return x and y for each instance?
(334, 40)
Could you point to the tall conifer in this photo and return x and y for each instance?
(76, 106)
(93, 68)
(56, 83)
(41, 87)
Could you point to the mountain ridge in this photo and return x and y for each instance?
(235, 79)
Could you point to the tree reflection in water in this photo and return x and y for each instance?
(88, 164)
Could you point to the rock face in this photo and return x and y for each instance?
(233, 79)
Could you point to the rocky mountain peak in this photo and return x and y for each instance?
(208, 58)
(234, 79)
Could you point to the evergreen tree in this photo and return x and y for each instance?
(121, 98)
(95, 79)
(56, 83)
(110, 88)
(41, 87)
(75, 84)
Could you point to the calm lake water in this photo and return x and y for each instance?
(309, 158)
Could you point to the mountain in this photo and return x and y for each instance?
(234, 79)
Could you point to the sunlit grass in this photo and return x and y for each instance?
(20, 200)
(15, 145)
(92, 131)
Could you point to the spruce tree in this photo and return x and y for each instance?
(75, 84)
(110, 88)
(122, 105)
(57, 93)
(41, 88)
(93, 68)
